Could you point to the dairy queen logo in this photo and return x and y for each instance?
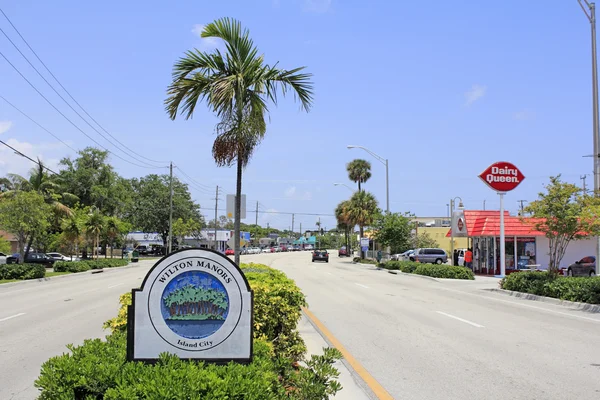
(194, 303)
(502, 176)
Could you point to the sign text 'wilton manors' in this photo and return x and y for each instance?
(193, 303)
(502, 176)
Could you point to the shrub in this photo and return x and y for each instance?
(391, 265)
(81, 266)
(22, 271)
(584, 290)
(408, 267)
(106, 263)
(356, 259)
(119, 323)
(444, 271)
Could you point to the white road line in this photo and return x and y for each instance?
(329, 273)
(358, 284)
(12, 316)
(118, 284)
(460, 319)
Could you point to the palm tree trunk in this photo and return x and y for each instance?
(361, 231)
(359, 186)
(238, 209)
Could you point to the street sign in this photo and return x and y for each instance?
(459, 226)
(231, 243)
(364, 242)
(194, 303)
(502, 176)
(365, 248)
(231, 206)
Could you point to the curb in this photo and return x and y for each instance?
(38, 280)
(591, 308)
(398, 272)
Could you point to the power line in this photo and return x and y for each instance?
(66, 91)
(279, 212)
(67, 118)
(202, 190)
(35, 122)
(27, 157)
(193, 180)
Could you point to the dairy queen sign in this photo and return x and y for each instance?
(502, 177)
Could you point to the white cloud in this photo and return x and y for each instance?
(475, 93)
(317, 6)
(290, 192)
(5, 126)
(206, 43)
(10, 162)
(523, 115)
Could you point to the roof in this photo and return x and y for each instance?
(487, 223)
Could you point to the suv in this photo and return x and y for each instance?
(32, 258)
(431, 256)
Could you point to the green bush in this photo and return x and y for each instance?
(81, 266)
(408, 267)
(22, 271)
(391, 265)
(444, 271)
(584, 290)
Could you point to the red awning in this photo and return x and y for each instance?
(487, 223)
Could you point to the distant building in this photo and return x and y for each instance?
(14, 244)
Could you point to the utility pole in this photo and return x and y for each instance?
(483, 205)
(216, 209)
(292, 223)
(256, 219)
(592, 18)
(300, 229)
(583, 178)
(522, 201)
(170, 244)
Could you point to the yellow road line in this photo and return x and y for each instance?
(379, 391)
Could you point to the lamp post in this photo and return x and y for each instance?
(460, 206)
(343, 184)
(385, 162)
(591, 15)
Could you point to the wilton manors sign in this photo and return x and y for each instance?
(194, 303)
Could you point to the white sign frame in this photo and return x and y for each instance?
(150, 333)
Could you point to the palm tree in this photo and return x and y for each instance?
(93, 227)
(361, 210)
(341, 215)
(72, 230)
(113, 228)
(359, 171)
(237, 85)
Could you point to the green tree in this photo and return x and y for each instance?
(343, 222)
(361, 210)
(114, 233)
(24, 214)
(359, 171)
(423, 240)
(563, 213)
(94, 225)
(394, 230)
(237, 85)
(149, 211)
(73, 230)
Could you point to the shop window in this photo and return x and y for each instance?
(526, 251)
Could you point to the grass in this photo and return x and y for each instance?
(8, 280)
(50, 274)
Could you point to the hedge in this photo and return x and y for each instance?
(81, 266)
(433, 270)
(98, 369)
(22, 271)
(584, 290)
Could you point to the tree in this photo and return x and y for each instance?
(424, 241)
(24, 214)
(343, 223)
(94, 225)
(394, 230)
(4, 246)
(114, 233)
(72, 230)
(236, 85)
(563, 213)
(359, 171)
(149, 210)
(361, 210)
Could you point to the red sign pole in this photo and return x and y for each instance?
(502, 177)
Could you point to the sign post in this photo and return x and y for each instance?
(502, 177)
(194, 303)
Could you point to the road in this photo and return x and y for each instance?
(419, 338)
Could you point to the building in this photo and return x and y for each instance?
(525, 247)
(206, 240)
(14, 244)
(439, 234)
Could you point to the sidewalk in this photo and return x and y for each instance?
(314, 344)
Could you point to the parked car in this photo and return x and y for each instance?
(3, 258)
(431, 256)
(461, 257)
(320, 255)
(266, 250)
(343, 252)
(229, 252)
(584, 267)
(403, 256)
(309, 247)
(32, 258)
(142, 250)
(58, 257)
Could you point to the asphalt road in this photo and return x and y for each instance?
(421, 339)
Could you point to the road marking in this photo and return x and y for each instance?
(460, 319)
(12, 316)
(118, 284)
(329, 273)
(358, 284)
(518, 303)
(377, 389)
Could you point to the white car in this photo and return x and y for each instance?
(3, 258)
(58, 257)
(266, 250)
(255, 250)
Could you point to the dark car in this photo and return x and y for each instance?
(320, 255)
(32, 258)
(584, 267)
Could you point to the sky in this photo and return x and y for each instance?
(441, 89)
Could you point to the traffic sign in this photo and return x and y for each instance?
(502, 176)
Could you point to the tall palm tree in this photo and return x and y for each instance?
(236, 84)
(113, 228)
(93, 227)
(72, 230)
(341, 215)
(361, 210)
(359, 171)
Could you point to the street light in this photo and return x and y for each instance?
(343, 184)
(592, 18)
(460, 207)
(384, 161)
